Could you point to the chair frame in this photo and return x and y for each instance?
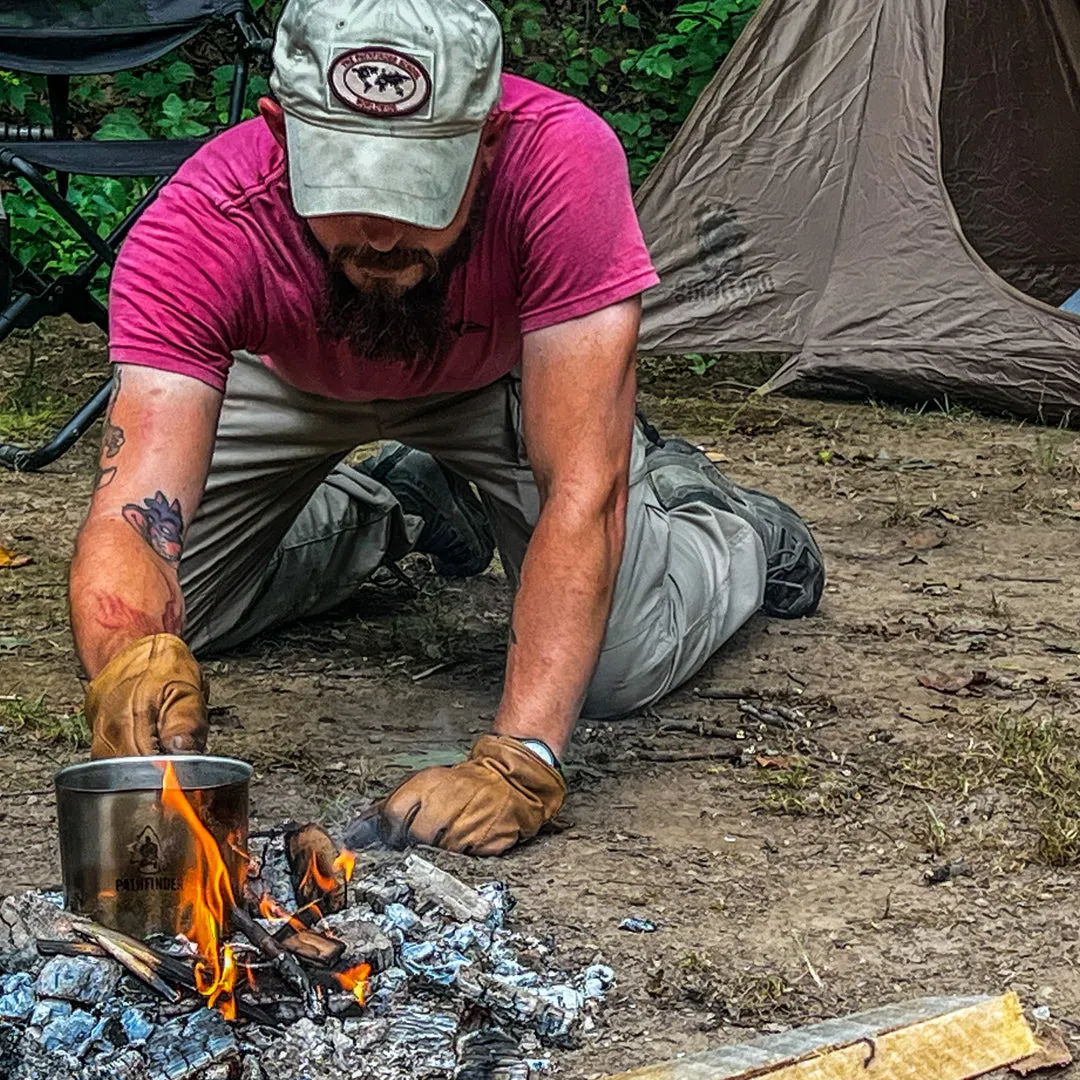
(37, 296)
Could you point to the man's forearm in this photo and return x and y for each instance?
(560, 615)
(121, 590)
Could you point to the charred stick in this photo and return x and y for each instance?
(286, 964)
(173, 968)
(116, 945)
(183, 974)
(48, 947)
(310, 945)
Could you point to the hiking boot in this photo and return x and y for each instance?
(456, 534)
(795, 570)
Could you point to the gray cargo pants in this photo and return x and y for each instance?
(285, 530)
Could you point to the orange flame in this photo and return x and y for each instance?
(206, 897)
(345, 863)
(269, 908)
(314, 875)
(356, 980)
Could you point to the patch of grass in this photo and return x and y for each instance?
(903, 510)
(898, 414)
(803, 789)
(35, 719)
(998, 609)
(933, 835)
(1047, 452)
(29, 407)
(1054, 454)
(23, 425)
(747, 997)
(1033, 761)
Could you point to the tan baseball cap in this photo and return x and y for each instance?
(384, 103)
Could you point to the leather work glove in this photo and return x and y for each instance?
(502, 794)
(148, 699)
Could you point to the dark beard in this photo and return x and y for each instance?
(387, 326)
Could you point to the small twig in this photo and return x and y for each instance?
(31, 791)
(772, 718)
(718, 693)
(809, 967)
(699, 727)
(434, 669)
(734, 755)
(1018, 577)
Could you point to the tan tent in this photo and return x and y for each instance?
(888, 190)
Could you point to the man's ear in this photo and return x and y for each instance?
(274, 116)
(498, 124)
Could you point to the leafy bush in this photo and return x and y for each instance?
(640, 69)
(167, 100)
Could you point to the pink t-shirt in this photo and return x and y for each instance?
(220, 260)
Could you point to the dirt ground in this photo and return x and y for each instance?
(940, 682)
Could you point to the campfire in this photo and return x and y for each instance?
(321, 963)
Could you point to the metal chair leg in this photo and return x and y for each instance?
(23, 460)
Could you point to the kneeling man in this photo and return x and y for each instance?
(407, 245)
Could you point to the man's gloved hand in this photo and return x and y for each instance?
(149, 699)
(502, 794)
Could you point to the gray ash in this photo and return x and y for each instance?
(454, 993)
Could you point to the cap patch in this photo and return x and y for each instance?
(378, 81)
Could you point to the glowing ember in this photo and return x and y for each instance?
(355, 979)
(205, 897)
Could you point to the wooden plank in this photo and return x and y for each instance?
(940, 1038)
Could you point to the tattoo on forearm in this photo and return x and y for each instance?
(113, 439)
(161, 524)
(114, 613)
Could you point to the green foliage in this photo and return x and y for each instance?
(640, 69)
(166, 100)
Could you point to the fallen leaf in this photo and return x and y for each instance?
(1052, 1053)
(912, 559)
(8, 641)
(768, 761)
(11, 560)
(926, 539)
(921, 714)
(951, 682)
(940, 511)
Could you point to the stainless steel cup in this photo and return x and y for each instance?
(123, 855)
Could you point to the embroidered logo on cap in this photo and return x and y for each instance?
(380, 82)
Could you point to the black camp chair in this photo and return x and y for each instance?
(59, 39)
